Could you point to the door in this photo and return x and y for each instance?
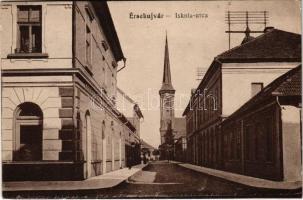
(88, 146)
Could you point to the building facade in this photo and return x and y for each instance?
(59, 68)
(130, 109)
(263, 137)
(233, 78)
(181, 149)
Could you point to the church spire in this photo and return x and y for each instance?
(166, 82)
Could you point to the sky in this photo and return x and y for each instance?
(193, 43)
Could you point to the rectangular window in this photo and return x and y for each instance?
(256, 88)
(89, 13)
(88, 46)
(104, 45)
(29, 29)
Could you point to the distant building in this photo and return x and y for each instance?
(59, 81)
(181, 149)
(167, 112)
(131, 110)
(147, 150)
(233, 78)
(180, 140)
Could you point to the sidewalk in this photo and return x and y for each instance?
(245, 180)
(107, 180)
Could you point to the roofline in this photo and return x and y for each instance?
(258, 37)
(220, 60)
(106, 21)
(126, 122)
(150, 146)
(215, 63)
(257, 60)
(264, 91)
(126, 96)
(138, 110)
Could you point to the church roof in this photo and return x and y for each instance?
(166, 81)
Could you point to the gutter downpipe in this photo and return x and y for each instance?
(280, 128)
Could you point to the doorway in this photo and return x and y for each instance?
(28, 133)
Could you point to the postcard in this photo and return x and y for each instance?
(151, 99)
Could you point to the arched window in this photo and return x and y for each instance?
(89, 148)
(103, 130)
(28, 132)
(111, 132)
(104, 147)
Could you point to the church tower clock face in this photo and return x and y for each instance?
(168, 102)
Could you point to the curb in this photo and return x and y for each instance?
(137, 171)
(92, 184)
(244, 180)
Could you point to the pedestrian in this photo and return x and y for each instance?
(129, 162)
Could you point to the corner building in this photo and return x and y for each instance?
(59, 77)
(235, 77)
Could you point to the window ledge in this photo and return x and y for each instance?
(27, 55)
(88, 68)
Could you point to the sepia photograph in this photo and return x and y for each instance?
(151, 99)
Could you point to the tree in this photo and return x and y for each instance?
(169, 141)
(169, 136)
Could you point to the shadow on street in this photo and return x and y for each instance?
(163, 179)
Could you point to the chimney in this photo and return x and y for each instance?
(247, 37)
(268, 28)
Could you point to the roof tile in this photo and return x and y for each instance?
(275, 44)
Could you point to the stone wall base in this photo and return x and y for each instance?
(42, 171)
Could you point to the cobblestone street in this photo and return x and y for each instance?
(163, 179)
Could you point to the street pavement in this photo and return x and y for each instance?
(163, 179)
(107, 180)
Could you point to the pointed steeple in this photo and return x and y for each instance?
(166, 81)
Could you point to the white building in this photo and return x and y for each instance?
(59, 68)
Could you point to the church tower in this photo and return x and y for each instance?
(167, 95)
